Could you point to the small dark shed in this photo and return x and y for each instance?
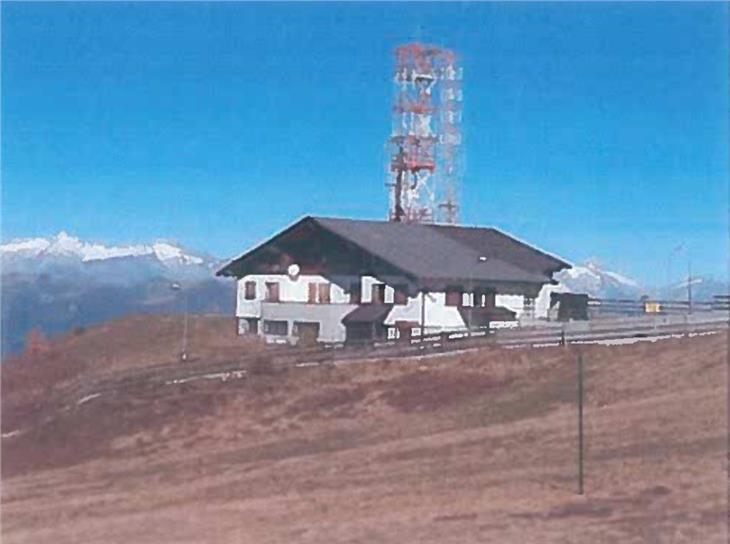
(570, 306)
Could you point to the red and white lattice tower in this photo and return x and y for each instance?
(425, 159)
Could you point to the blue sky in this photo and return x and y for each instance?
(591, 130)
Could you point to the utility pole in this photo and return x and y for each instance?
(184, 347)
(184, 340)
(580, 424)
(689, 283)
(423, 314)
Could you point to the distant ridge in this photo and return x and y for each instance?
(61, 283)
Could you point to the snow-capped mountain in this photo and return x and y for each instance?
(63, 245)
(592, 279)
(62, 283)
(704, 288)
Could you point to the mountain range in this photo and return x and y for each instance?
(61, 284)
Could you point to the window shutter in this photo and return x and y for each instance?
(312, 295)
(324, 293)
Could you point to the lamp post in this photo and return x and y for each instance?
(480, 260)
(184, 340)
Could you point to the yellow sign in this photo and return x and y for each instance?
(652, 307)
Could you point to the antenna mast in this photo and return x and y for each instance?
(425, 144)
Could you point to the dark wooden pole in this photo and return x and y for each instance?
(423, 314)
(580, 424)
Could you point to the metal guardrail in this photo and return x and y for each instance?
(546, 334)
(563, 337)
(657, 306)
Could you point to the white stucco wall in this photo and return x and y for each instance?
(407, 312)
(290, 290)
(542, 302)
(329, 317)
(514, 303)
(440, 316)
(294, 304)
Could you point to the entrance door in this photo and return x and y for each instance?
(307, 333)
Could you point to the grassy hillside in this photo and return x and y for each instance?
(475, 447)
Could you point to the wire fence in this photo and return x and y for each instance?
(276, 358)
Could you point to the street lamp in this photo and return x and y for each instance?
(480, 260)
(184, 340)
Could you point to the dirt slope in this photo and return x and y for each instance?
(479, 447)
(128, 343)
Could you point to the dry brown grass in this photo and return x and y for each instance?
(479, 447)
(132, 342)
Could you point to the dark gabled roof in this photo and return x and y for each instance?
(492, 242)
(368, 313)
(436, 252)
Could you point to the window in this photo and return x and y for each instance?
(312, 294)
(355, 293)
(276, 328)
(378, 293)
(250, 288)
(324, 293)
(319, 293)
(484, 299)
(272, 291)
(453, 296)
(401, 294)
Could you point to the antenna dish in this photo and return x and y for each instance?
(293, 271)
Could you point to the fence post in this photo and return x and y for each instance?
(580, 424)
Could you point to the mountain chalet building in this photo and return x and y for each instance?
(342, 280)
